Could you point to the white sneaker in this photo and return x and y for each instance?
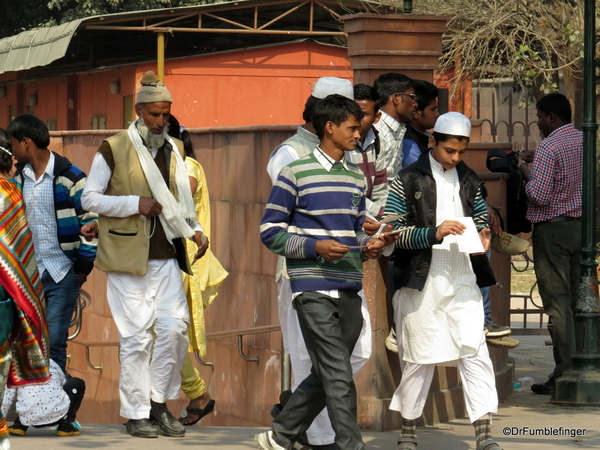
(390, 342)
(266, 442)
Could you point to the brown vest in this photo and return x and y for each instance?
(125, 244)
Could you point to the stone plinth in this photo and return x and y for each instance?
(408, 44)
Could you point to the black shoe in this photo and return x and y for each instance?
(67, 429)
(165, 421)
(546, 388)
(17, 428)
(141, 428)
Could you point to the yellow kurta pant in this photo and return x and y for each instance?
(201, 288)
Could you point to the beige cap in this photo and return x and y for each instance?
(331, 85)
(152, 90)
(453, 123)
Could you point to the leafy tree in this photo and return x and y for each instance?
(76, 9)
(530, 41)
(23, 15)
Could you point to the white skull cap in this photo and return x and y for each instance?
(330, 85)
(453, 123)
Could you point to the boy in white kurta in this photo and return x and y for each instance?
(438, 308)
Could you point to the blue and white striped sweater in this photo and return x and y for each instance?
(307, 204)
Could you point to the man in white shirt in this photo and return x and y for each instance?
(396, 103)
(143, 223)
(438, 306)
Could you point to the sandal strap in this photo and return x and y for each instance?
(488, 444)
(406, 443)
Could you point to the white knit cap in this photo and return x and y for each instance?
(453, 123)
(152, 90)
(330, 85)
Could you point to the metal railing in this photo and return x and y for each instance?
(83, 302)
(527, 311)
(239, 333)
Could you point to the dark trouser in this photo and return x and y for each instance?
(557, 254)
(330, 328)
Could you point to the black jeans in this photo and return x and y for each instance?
(330, 327)
(557, 254)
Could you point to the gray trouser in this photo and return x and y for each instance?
(557, 255)
(330, 328)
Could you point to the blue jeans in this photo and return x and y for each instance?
(60, 303)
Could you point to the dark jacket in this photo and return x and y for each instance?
(69, 182)
(413, 193)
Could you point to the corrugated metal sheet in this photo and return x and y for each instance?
(36, 47)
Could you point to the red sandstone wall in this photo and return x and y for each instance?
(235, 161)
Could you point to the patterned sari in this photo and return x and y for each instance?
(20, 278)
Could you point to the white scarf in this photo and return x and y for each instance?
(175, 212)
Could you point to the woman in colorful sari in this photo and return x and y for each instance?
(23, 330)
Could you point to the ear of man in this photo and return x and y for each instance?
(377, 117)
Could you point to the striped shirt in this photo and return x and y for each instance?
(316, 198)
(555, 182)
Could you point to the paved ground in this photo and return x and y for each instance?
(522, 409)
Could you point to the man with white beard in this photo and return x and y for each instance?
(139, 187)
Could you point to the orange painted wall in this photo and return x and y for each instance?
(95, 97)
(9, 99)
(262, 86)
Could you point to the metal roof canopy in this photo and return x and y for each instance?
(118, 39)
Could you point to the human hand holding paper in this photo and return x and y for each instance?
(470, 241)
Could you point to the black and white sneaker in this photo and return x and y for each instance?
(492, 330)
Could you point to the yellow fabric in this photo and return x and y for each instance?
(191, 383)
(202, 288)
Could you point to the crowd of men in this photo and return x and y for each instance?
(372, 171)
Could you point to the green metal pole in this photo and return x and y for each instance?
(581, 385)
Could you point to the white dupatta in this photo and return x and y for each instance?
(177, 213)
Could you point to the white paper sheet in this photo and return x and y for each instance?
(469, 241)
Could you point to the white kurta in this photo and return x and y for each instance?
(444, 321)
(40, 404)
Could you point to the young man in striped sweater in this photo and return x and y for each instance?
(314, 218)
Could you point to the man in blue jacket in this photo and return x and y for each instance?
(52, 189)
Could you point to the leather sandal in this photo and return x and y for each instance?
(407, 444)
(488, 444)
(200, 412)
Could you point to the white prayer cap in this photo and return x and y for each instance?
(330, 85)
(453, 123)
(152, 90)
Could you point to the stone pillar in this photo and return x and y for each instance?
(408, 44)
